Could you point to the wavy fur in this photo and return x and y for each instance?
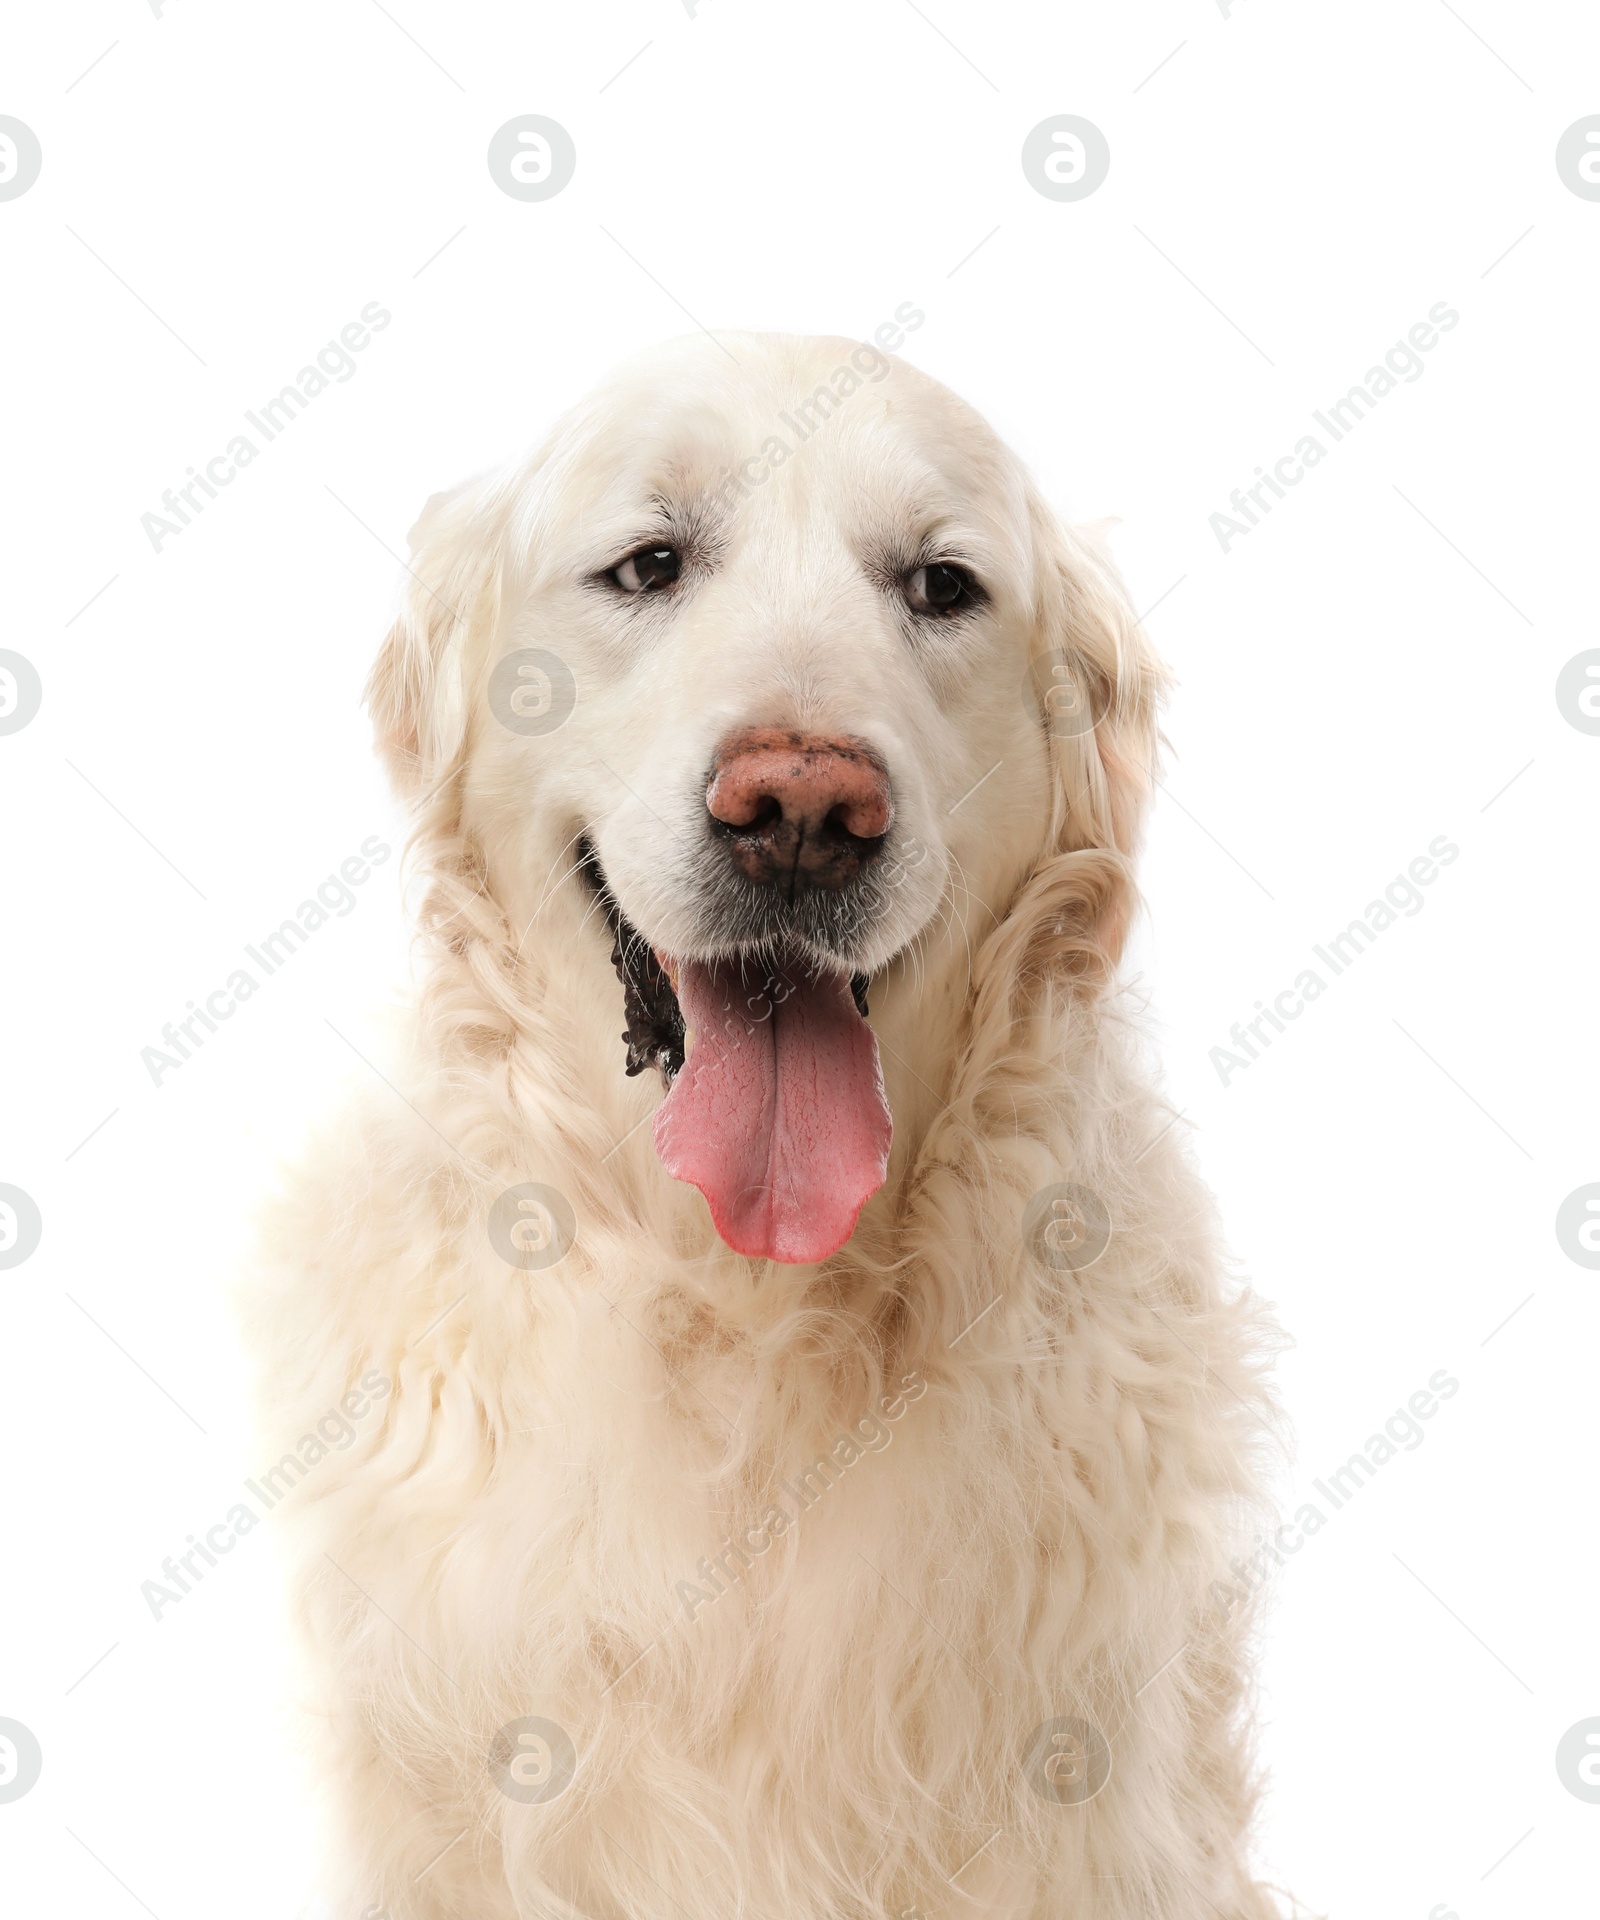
(844, 1730)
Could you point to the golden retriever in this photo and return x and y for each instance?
(802, 1415)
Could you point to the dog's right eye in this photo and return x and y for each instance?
(650, 567)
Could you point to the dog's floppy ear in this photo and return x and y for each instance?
(1096, 688)
(419, 690)
(1097, 685)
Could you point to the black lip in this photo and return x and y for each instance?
(654, 1020)
(654, 1029)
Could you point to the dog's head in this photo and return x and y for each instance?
(773, 647)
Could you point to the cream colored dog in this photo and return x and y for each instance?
(811, 1505)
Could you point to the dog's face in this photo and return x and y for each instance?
(705, 573)
(750, 648)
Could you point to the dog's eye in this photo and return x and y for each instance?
(649, 567)
(940, 588)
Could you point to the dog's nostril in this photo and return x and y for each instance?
(746, 817)
(839, 824)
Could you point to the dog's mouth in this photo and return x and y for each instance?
(775, 1106)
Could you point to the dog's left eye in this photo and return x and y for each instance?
(940, 588)
(649, 567)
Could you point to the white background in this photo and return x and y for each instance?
(1368, 669)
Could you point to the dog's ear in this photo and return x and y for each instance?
(418, 692)
(1096, 687)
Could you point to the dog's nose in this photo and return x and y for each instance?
(799, 809)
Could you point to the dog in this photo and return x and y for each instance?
(803, 1412)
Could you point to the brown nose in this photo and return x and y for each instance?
(799, 809)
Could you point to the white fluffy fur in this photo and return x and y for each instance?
(841, 1734)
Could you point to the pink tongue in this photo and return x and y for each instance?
(778, 1114)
